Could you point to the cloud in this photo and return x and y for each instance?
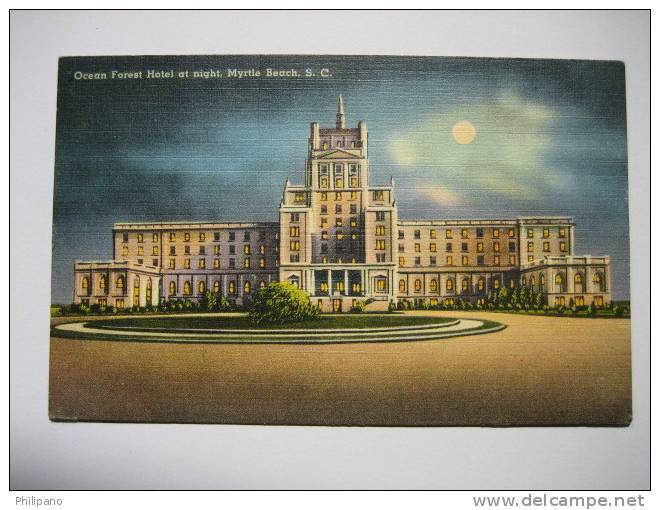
(440, 196)
(506, 157)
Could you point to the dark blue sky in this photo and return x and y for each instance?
(551, 140)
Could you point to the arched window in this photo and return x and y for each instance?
(481, 284)
(186, 288)
(119, 282)
(402, 285)
(216, 286)
(418, 285)
(450, 284)
(294, 280)
(247, 287)
(599, 283)
(465, 285)
(85, 282)
(262, 284)
(232, 287)
(172, 288)
(201, 287)
(532, 280)
(434, 285)
(524, 280)
(102, 282)
(496, 283)
(559, 282)
(577, 278)
(541, 281)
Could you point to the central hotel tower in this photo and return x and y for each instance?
(339, 238)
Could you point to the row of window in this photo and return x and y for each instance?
(172, 236)
(339, 144)
(546, 246)
(201, 287)
(339, 209)
(495, 232)
(247, 250)
(465, 260)
(449, 247)
(201, 263)
(339, 222)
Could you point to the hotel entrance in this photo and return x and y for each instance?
(336, 305)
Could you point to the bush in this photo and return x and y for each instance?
(392, 306)
(279, 303)
(358, 307)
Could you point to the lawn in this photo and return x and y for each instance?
(344, 321)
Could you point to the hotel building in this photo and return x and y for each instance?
(340, 239)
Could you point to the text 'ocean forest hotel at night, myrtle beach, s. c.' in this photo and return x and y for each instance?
(164, 74)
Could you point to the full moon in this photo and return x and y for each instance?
(464, 132)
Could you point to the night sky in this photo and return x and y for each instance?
(551, 140)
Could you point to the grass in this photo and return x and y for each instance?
(344, 321)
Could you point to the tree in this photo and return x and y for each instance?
(280, 303)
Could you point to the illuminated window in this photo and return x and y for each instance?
(562, 246)
(339, 221)
(201, 288)
(172, 236)
(172, 264)
(294, 245)
(325, 146)
(216, 263)
(434, 285)
(154, 238)
(530, 232)
(578, 278)
(246, 249)
(512, 232)
(338, 195)
(202, 236)
(186, 288)
(262, 284)
(496, 283)
(496, 260)
(216, 249)
(140, 238)
(496, 246)
(216, 286)
(262, 262)
(379, 195)
(339, 285)
(380, 230)
(402, 261)
(124, 250)
(450, 260)
(465, 285)
(339, 182)
(140, 250)
(247, 287)
(324, 196)
(119, 282)
(542, 280)
(418, 285)
(546, 232)
(186, 236)
(562, 232)
(154, 250)
(339, 235)
(530, 246)
(530, 258)
(432, 247)
(496, 232)
(201, 264)
(450, 284)
(546, 246)
(464, 260)
(246, 263)
(464, 233)
(102, 283)
(354, 223)
(418, 248)
(433, 234)
(172, 288)
(381, 284)
(324, 182)
(448, 234)
(324, 222)
(512, 260)
(262, 249)
(380, 244)
(402, 286)
(481, 284)
(480, 247)
(231, 287)
(512, 284)
(186, 263)
(299, 197)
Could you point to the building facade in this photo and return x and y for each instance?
(339, 238)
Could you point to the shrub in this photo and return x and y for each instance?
(279, 303)
(392, 306)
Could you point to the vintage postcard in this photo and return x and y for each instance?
(340, 240)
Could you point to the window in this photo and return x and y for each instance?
(216, 286)
(402, 286)
(512, 232)
(125, 237)
(201, 288)
(216, 249)
(448, 247)
(262, 262)
(433, 260)
(232, 237)
(418, 261)
(295, 217)
(186, 236)
(324, 222)
(262, 249)
(202, 250)
(496, 232)
(381, 284)
(380, 215)
(433, 248)
(186, 250)
(339, 235)
(354, 223)
(464, 233)
(530, 246)
(380, 244)
(246, 236)
(449, 285)
(247, 287)
(325, 146)
(246, 249)
(480, 232)
(530, 232)
(480, 260)
(186, 288)
(339, 143)
(324, 182)
(480, 247)
(378, 195)
(402, 261)
(119, 282)
(232, 263)
(339, 221)
(231, 287)
(216, 263)
(481, 284)
(464, 260)
(124, 250)
(172, 237)
(599, 284)
(434, 285)
(562, 232)
(232, 249)
(154, 250)
(418, 285)
(417, 234)
(433, 234)
(140, 238)
(530, 258)
(380, 257)
(532, 281)
(338, 195)
(354, 195)
(465, 285)
(84, 283)
(380, 230)
(512, 284)
(140, 250)
(172, 264)
(324, 209)
(546, 246)
(262, 284)
(560, 301)
(401, 234)
(324, 235)
(294, 257)
(496, 283)
(512, 246)
(512, 260)
(464, 246)
(299, 198)
(246, 263)
(418, 248)
(172, 288)
(339, 182)
(338, 209)
(294, 245)
(201, 264)
(339, 285)
(496, 260)
(216, 236)
(448, 234)
(577, 279)
(353, 208)
(496, 246)
(324, 196)
(546, 232)
(562, 246)
(598, 300)
(450, 260)
(186, 263)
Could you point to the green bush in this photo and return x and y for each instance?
(358, 307)
(280, 303)
(392, 306)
